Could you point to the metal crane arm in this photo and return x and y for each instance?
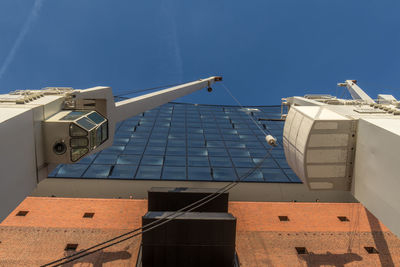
(134, 106)
(356, 92)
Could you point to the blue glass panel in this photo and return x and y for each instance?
(106, 159)
(215, 144)
(129, 159)
(195, 136)
(177, 151)
(87, 159)
(224, 174)
(229, 132)
(196, 143)
(137, 141)
(212, 130)
(149, 172)
(220, 162)
(274, 175)
(292, 176)
(177, 135)
(158, 135)
(143, 126)
(268, 162)
(213, 137)
(138, 150)
(248, 137)
(140, 134)
(162, 124)
(233, 144)
(173, 173)
(123, 134)
(195, 130)
(243, 162)
(175, 161)
(231, 137)
(197, 161)
(176, 142)
(258, 152)
(152, 160)
(120, 141)
(282, 163)
(239, 152)
(197, 151)
(245, 130)
(113, 149)
(55, 171)
(199, 173)
(217, 152)
(253, 145)
(225, 125)
(250, 175)
(155, 150)
(130, 128)
(97, 171)
(123, 172)
(157, 142)
(277, 153)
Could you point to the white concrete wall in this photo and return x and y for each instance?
(377, 170)
(17, 159)
(112, 188)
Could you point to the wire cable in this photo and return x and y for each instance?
(237, 101)
(160, 221)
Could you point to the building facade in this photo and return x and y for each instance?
(41, 230)
(189, 145)
(190, 142)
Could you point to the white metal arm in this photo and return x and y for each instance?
(134, 106)
(356, 92)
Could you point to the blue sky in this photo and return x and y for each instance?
(264, 49)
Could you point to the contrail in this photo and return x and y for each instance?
(25, 28)
(174, 41)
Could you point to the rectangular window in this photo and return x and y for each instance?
(198, 161)
(129, 160)
(152, 160)
(104, 158)
(136, 150)
(123, 172)
(250, 175)
(173, 173)
(176, 151)
(243, 162)
(155, 150)
(177, 142)
(149, 173)
(220, 162)
(239, 152)
(217, 152)
(224, 174)
(274, 175)
(175, 161)
(197, 151)
(199, 174)
(97, 171)
(72, 170)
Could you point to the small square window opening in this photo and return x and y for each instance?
(371, 250)
(283, 218)
(22, 213)
(343, 219)
(88, 215)
(71, 247)
(301, 250)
